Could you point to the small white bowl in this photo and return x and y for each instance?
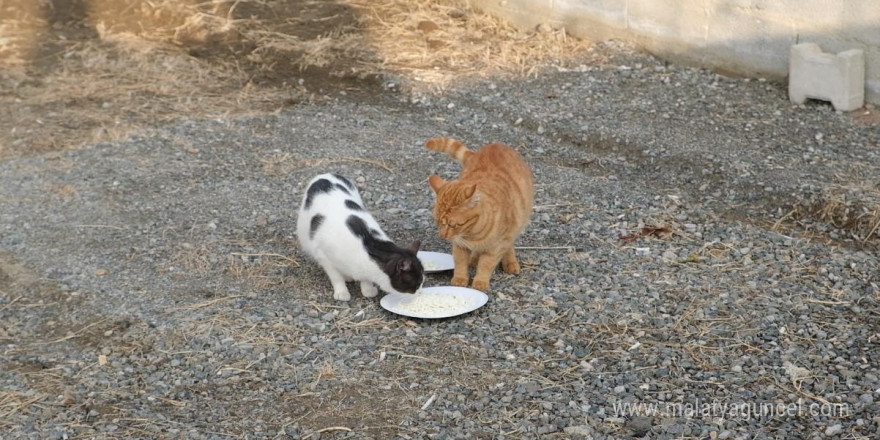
(436, 261)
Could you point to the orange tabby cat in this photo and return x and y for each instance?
(485, 210)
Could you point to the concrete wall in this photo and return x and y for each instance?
(749, 37)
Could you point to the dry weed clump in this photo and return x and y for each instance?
(852, 209)
(259, 270)
(195, 259)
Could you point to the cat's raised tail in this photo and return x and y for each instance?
(452, 147)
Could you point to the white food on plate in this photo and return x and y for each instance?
(423, 303)
(430, 265)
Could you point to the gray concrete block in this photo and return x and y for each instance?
(837, 78)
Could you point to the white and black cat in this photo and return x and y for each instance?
(336, 231)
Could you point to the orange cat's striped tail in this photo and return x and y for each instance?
(450, 146)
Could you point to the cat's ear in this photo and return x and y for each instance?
(469, 191)
(436, 182)
(414, 246)
(404, 265)
(472, 196)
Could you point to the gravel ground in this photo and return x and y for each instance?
(153, 288)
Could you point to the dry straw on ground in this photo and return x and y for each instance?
(435, 41)
(101, 70)
(854, 209)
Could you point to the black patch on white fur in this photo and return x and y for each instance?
(375, 233)
(352, 205)
(401, 265)
(359, 228)
(345, 181)
(320, 186)
(342, 188)
(316, 223)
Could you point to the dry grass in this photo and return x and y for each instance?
(326, 371)
(193, 258)
(436, 41)
(110, 88)
(259, 272)
(64, 192)
(87, 71)
(854, 209)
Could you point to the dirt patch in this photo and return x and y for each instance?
(869, 116)
(13, 275)
(345, 405)
(54, 313)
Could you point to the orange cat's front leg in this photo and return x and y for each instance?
(487, 264)
(509, 263)
(460, 256)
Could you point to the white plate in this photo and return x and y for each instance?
(438, 261)
(449, 301)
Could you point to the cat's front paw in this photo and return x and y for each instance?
(341, 295)
(460, 281)
(510, 267)
(369, 290)
(481, 285)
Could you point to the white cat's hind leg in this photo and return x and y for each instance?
(369, 289)
(340, 290)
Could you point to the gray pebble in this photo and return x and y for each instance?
(640, 425)
(832, 430)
